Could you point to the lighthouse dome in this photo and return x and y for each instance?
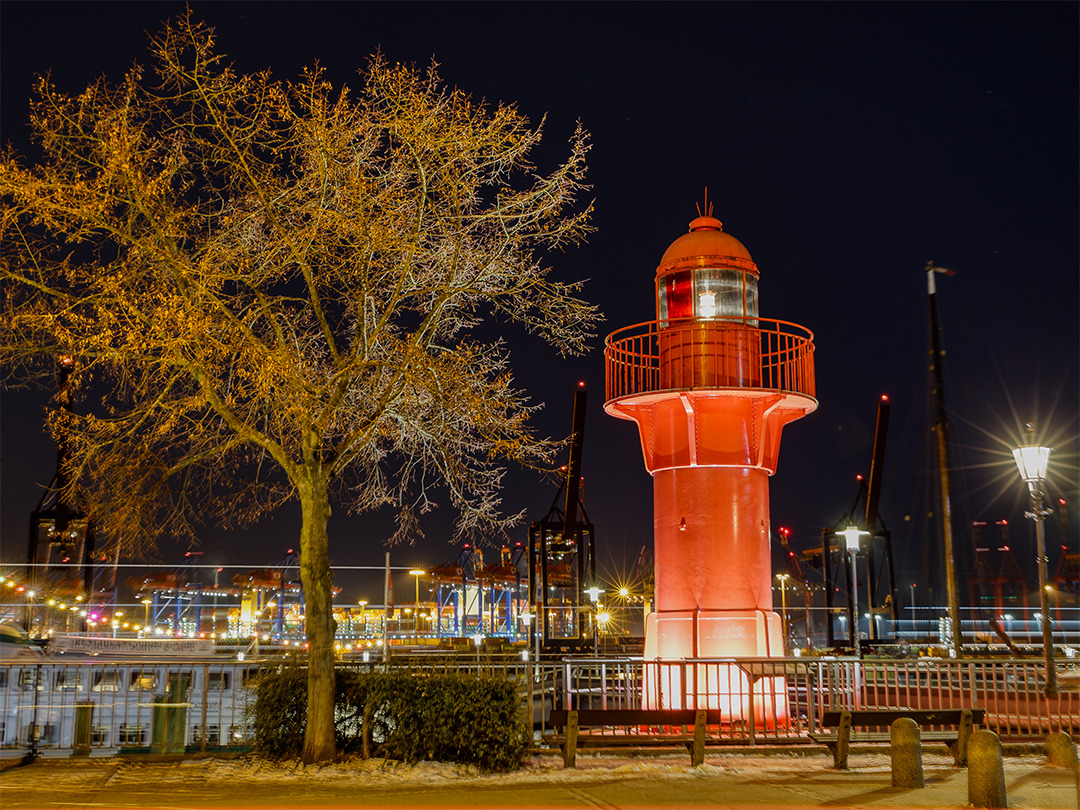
(706, 245)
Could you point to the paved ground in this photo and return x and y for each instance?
(780, 780)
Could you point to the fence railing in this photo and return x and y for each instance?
(784, 699)
(768, 354)
(206, 705)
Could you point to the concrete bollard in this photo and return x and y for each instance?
(986, 772)
(1060, 750)
(905, 748)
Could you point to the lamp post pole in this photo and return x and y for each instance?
(416, 572)
(1032, 461)
(851, 535)
(783, 608)
(594, 594)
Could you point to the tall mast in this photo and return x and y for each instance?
(941, 431)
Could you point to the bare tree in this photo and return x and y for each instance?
(283, 286)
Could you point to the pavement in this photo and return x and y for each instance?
(780, 779)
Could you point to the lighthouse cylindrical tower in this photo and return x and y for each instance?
(710, 385)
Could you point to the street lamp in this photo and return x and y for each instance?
(417, 573)
(602, 618)
(783, 606)
(594, 595)
(851, 535)
(1032, 461)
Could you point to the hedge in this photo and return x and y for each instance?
(476, 720)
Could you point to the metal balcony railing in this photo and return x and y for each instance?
(758, 354)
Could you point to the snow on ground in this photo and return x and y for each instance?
(538, 770)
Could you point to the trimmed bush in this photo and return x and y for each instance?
(478, 721)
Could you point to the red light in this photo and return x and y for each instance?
(581, 384)
(858, 478)
(884, 397)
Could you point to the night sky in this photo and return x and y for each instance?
(846, 145)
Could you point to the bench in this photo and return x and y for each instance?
(963, 721)
(632, 727)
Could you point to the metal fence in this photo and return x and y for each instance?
(206, 705)
(784, 700)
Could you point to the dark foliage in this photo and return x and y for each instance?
(444, 718)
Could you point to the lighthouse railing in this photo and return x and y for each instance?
(632, 356)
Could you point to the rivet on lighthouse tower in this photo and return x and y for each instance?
(710, 386)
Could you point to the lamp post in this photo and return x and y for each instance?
(851, 536)
(783, 606)
(416, 574)
(602, 619)
(1032, 461)
(594, 594)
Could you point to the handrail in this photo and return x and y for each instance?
(760, 354)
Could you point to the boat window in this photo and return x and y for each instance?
(143, 680)
(213, 735)
(107, 680)
(45, 733)
(132, 734)
(218, 681)
(71, 679)
(99, 735)
(3, 678)
(28, 680)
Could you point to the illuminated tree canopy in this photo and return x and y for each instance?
(286, 290)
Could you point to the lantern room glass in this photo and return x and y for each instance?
(709, 293)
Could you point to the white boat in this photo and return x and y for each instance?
(83, 693)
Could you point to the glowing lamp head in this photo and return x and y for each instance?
(1032, 462)
(707, 274)
(851, 537)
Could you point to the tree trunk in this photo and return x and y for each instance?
(319, 743)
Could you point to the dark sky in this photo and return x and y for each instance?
(846, 145)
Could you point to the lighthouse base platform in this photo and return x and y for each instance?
(678, 676)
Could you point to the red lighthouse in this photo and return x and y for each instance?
(711, 386)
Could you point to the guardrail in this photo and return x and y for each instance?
(206, 705)
(785, 699)
(766, 354)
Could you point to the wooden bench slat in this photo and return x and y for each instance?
(633, 717)
(885, 717)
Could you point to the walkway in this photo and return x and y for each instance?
(781, 780)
